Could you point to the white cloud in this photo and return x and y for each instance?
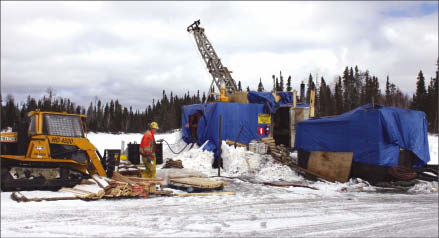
(134, 50)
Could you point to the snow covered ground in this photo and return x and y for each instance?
(347, 209)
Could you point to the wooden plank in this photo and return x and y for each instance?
(334, 165)
(137, 179)
(17, 196)
(118, 177)
(267, 139)
(198, 182)
(204, 194)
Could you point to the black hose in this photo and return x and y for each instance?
(174, 144)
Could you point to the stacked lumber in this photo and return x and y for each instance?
(84, 194)
(269, 141)
(170, 163)
(279, 152)
(128, 169)
(231, 142)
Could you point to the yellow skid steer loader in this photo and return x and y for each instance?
(53, 152)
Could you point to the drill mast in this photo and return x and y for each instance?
(220, 74)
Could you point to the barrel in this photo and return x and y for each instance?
(112, 159)
(261, 148)
(133, 153)
(253, 146)
(159, 153)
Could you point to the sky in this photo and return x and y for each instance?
(132, 51)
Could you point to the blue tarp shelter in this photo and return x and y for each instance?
(374, 134)
(234, 116)
(270, 104)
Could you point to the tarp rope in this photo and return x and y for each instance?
(169, 146)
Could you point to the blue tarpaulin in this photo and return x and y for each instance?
(270, 104)
(374, 134)
(234, 116)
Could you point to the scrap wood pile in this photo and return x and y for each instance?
(128, 169)
(118, 186)
(278, 152)
(173, 164)
(123, 186)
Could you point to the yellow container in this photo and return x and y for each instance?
(123, 157)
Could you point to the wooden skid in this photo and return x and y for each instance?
(197, 182)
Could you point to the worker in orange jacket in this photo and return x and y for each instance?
(147, 149)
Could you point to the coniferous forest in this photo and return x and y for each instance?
(353, 88)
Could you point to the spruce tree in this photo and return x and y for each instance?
(281, 82)
(274, 83)
(260, 86)
(289, 88)
(204, 97)
(311, 86)
(421, 93)
(277, 85)
(388, 95)
(338, 94)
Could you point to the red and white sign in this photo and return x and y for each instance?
(261, 130)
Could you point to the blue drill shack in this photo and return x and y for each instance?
(241, 122)
(379, 137)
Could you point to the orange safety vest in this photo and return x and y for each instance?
(148, 147)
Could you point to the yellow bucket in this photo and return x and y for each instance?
(123, 157)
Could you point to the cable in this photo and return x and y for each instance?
(174, 144)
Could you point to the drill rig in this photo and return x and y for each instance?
(51, 153)
(221, 76)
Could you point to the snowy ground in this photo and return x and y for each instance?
(349, 209)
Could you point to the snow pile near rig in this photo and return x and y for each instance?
(238, 162)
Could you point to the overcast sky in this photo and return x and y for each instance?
(133, 50)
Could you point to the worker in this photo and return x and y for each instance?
(147, 149)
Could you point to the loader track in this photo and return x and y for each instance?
(24, 177)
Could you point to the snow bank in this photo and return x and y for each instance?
(433, 146)
(238, 162)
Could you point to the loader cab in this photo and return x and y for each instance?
(56, 124)
(63, 125)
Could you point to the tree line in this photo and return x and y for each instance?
(355, 87)
(105, 117)
(351, 89)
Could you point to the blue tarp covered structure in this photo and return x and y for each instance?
(374, 133)
(234, 116)
(270, 104)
